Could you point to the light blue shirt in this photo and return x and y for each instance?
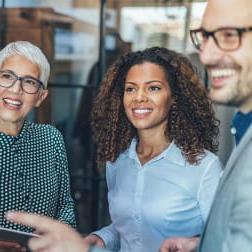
(163, 198)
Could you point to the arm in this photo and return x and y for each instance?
(108, 235)
(65, 204)
(239, 234)
(208, 185)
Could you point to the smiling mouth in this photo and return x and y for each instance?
(142, 111)
(222, 73)
(219, 76)
(12, 103)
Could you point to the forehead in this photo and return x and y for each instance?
(227, 13)
(20, 65)
(146, 69)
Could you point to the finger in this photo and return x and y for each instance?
(40, 243)
(40, 223)
(7, 244)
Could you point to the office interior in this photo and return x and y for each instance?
(81, 38)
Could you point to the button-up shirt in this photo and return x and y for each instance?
(240, 124)
(165, 197)
(34, 175)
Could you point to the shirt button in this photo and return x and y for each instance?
(233, 130)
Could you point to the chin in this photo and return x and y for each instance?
(219, 97)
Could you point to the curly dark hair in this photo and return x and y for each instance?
(191, 121)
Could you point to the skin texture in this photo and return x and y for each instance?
(12, 116)
(152, 94)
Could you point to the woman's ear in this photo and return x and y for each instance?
(41, 97)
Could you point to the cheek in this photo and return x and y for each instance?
(2, 90)
(165, 103)
(31, 100)
(126, 101)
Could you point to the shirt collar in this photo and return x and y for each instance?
(172, 153)
(7, 140)
(240, 124)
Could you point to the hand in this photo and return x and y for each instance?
(180, 244)
(55, 236)
(11, 246)
(93, 239)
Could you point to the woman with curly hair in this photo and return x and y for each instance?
(155, 129)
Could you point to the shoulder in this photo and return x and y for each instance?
(37, 128)
(44, 133)
(209, 159)
(210, 163)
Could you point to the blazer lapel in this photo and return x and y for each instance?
(228, 168)
(235, 154)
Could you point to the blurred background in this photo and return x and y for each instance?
(81, 38)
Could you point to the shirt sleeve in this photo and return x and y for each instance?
(110, 237)
(109, 234)
(66, 210)
(208, 185)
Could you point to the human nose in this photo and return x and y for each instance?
(141, 96)
(16, 86)
(210, 52)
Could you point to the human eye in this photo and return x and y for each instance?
(30, 81)
(228, 35)
(154, 88)
(6, 76)
(129, 89)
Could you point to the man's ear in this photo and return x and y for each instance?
(41, 97)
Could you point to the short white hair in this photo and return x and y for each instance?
(30, 52)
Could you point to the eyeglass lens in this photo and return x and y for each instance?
(29, 85)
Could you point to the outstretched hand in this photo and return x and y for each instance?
(93, 239)
(54, 236)
(180, 244)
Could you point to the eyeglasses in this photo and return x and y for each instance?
(29, 84)
(227, 39)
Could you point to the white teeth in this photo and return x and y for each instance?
(12, 102)
(218, 73)
(142, 111)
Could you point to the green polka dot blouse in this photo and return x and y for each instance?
(34, 175)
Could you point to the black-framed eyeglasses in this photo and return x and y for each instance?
(29, 85)
(226, 38)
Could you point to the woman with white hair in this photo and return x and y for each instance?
(33, 165)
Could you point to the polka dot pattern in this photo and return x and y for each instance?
(34, 175)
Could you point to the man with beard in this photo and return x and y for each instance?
(224, 41)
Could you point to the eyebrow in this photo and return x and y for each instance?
(23, 76)
(147, 82)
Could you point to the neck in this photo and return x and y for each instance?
(151, 144)
(12, 129)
